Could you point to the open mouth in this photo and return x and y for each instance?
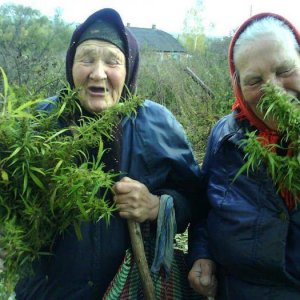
(97, 90)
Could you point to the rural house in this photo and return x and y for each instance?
(166, 46)
(158, 41)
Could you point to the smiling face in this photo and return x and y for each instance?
(267, 59)
(99, 72)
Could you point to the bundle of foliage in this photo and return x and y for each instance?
(284, 169)
(47, 179)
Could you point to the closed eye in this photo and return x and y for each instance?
(253, 81)
(87, 61)
(113, 61)
(284, 72)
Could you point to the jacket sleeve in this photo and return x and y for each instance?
(198, 234)
(172, 161)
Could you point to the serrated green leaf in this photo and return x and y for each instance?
(14, 153)
(25, 182)
(60, 132)
(57, 166)
(36, 180)
(5, 83)
(78, 231)
(26, 105)
(38, 170)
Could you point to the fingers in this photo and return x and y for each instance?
(202, 277)
(207, 273)
(134, 201)
(124, 186)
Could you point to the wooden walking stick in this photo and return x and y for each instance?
(140, 258)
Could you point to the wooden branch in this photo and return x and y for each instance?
(200, 82)
(140, 258)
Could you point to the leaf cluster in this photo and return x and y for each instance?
(48, 181)
(284, 169)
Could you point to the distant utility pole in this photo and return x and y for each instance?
(250, 10)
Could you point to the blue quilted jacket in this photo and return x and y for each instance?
(156, 152)
(249, 232)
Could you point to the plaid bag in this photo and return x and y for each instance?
(127, 285)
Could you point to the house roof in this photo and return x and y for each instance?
(156, 40)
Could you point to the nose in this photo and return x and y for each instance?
(275, 80)
(98, 71)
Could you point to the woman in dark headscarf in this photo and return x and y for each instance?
(150, 148)
(252, 230)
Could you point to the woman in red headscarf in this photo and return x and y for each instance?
(249, 245)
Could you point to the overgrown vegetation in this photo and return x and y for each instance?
(167, 82)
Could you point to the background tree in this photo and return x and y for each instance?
(193, 37)
(32, 48)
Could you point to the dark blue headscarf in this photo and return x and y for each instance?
(109, 16)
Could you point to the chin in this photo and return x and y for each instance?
(97, 110)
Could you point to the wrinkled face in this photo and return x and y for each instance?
(267, 59)
(99, 71)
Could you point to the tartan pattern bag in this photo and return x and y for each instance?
(127, 285)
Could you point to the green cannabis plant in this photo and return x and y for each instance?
(48, 181)
(284, 169)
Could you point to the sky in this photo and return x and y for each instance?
(220, 17)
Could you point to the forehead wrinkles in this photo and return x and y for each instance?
(98, 49)
(262, 40)
(271, 51)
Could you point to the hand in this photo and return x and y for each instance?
(202, 277)
(134, 201)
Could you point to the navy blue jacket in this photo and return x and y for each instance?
(156, 152)
(249, 232)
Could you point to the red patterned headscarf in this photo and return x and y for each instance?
(244, 111)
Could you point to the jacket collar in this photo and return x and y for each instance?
(232, 130)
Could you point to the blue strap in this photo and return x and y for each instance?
(165, 233)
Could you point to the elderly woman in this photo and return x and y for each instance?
(155, 156)
(252, 228)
